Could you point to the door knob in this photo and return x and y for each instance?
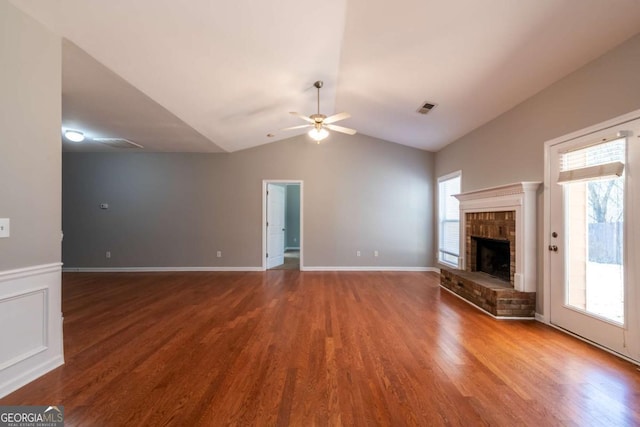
(553, 248)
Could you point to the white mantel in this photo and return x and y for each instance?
(521, 198)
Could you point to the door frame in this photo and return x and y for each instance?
(265, 183)
(546, 285)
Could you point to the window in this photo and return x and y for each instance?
(593, 183)
(449, 219)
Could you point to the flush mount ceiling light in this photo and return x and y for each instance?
(74, 135)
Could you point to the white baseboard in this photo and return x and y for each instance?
(186, 269)
(370, 268)
(541, 318)
(31, 339)
(154, 269)
(29, 375)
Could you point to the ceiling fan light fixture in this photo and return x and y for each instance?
(74, 135)
(319, 123)
(318, 134)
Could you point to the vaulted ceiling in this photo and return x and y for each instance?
(218, 76)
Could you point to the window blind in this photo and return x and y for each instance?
(599, 161)
(449, 219)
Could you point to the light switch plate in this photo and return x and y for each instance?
(4, 227)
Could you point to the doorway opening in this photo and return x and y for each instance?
(282, 224)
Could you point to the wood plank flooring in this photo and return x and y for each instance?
(316, 348)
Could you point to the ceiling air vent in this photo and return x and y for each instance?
(426, 107)
(118, 142)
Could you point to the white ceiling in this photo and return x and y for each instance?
(211, 76)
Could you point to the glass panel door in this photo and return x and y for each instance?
(594, 249)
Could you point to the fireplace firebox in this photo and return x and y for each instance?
(493, 257)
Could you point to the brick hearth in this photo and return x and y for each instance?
(492, 295)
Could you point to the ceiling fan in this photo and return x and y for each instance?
(320, 123)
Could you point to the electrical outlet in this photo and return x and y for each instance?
(107, 255)
(5, 229)
(357, 253)
(375, 253)
(219, 254)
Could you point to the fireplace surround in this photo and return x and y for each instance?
(493, 206)
(502, 219)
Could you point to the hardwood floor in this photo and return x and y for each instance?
(312, 348)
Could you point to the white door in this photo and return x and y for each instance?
(275, 225)
(594, 253)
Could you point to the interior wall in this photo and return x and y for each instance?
(292, 216)
(30, 193)
(177, 210)
(31, 146)
(511, 147)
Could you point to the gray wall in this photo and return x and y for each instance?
(511, 147)
(292, 217)
(177, 210)
(29, 140)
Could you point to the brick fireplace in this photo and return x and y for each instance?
(489, 231)
(497, 268)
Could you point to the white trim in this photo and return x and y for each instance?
(30, 375)
(154, 269)
(546, 267)
(521, 198)
(292, 248)
(616, 121)
(546, 226)
(46, 353)
(265, 182)
(239, 269)
(485, 311)
(23, 293)
(540, 318)
(20, 273)
(371, 268)
(514, 189)
(449, 265)
(450, 176)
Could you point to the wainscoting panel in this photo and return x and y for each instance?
(27, 310)
(30, 324)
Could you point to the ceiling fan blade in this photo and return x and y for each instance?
(336, 117)
(297, 127)
(308, 119)
(341, 129)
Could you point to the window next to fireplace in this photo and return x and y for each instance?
(493, 257)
